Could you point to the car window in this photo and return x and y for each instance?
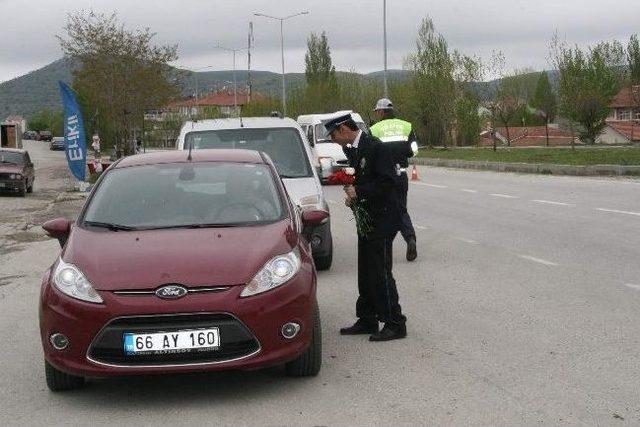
(181, 195)
(283, 145)
(320, 134)
(11, 157)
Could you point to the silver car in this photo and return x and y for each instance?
(285, 143)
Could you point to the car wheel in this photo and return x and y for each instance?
(30, 188)
(308, 363)
(59, 381)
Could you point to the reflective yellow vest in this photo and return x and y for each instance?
(391, 130)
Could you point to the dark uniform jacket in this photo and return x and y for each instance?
(376, 183)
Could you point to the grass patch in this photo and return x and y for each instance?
(557, 156)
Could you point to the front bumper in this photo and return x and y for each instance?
(11, 184)
(250, 328)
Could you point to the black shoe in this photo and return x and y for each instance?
(412, 250)
(360, 327)
(389, 332)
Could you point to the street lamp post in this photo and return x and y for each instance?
(284, 90)
(235, 83)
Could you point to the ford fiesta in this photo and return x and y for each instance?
(181, 263)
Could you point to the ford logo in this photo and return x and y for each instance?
(171, 292)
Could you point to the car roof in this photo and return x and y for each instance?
(234, 123)
(318, 118)
(197, 156)
(13, 150)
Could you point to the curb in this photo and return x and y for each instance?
(536, 168)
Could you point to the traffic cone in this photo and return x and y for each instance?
(414, 174)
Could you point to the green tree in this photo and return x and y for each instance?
(433, 86)
(320, 75)
(468, 121)
(118, 74)
(633, 57)
(544, 100)
(589, 79)
(51, 120)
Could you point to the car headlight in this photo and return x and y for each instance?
(15, 176)
(309, 202)
(276, 272)
(70, 280)
(326, 162)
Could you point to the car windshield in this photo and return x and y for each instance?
(13, 158)
(185, 195)
(283, 145)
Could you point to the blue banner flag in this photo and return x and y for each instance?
(74, 137)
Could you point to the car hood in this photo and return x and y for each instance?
(10, 168)
(132, 260)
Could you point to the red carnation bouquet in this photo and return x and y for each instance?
(346, 177)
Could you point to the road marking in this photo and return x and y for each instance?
(420, 227)
(617, 211)
(462, 239)
(549, 202)
(469, 191)
(504, 196)
(632, 286)
(538, 260)
(430, 185)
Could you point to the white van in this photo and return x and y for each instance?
(329, 155)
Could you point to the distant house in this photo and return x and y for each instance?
(623, 123)
(18, 120)
(528, 136)
(223, 102)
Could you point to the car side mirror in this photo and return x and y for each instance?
(58, 228)
(313, 218)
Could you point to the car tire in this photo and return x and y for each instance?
(60, 381)
(323, 262)
(30, 188)
(308, 363)
(22, 192)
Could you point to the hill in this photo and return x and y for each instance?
(37, 90)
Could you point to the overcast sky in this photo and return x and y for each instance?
(521, 29)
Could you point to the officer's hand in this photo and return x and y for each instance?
(350, 190)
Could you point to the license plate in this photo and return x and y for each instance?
(172, 342)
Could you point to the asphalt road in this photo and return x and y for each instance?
(522, 307)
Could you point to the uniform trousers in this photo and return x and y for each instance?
(406, 227)
(378, 296)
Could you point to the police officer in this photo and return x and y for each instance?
(399, 133)
(375, 187)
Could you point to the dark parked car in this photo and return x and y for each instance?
(202, 266)
(31, 135)
(45, 135)
(16, 171)
(57, 143)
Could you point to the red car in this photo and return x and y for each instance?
(182, 263)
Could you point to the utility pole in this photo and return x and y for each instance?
(384, 36)
(250, 40)
(284, 90)
(235, 83)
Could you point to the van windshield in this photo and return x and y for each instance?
(320, 132)
(283, 145)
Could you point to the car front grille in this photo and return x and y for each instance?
(236, 341)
